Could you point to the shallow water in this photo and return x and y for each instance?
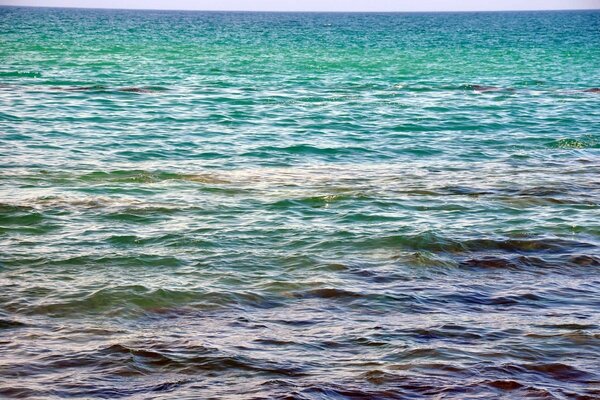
(307, 206)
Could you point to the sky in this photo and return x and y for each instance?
(320, 5)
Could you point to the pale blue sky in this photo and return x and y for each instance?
(320, 5)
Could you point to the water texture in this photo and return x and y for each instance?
(299, 206)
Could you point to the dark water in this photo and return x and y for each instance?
(302, 206)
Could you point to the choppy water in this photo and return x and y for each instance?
(302, 206)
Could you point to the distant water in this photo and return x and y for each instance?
(299, 206)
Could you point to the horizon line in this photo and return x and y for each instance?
(300, 11)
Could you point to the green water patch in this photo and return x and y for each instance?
(124, 240)
(319, 201)
(120, 261)
(364, 217)
(424, 258)
(134, 217)
(139, 300)
(20, 74)
(120, 299)
(170, 240)
(24, 220)
(142, 176)
(36, 230)
(587, 142)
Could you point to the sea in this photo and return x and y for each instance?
(243, 205)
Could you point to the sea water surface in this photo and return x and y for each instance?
(299, 206)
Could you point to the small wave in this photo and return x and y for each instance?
(306, 149)
(556, 371)
(191, 360)
(11, 324)
(274, 342)
(437, 244)
(139, 300)
(142, 176)
(578, 337)
(107, 89)
(330, 293)
(142, 89)
(92, 88)
(445, 333)
(31, 211)
(348, 391)
(424, 88)
(476, 299)
(20, 74)
(486, 89)
(8, 117)
(556, 193)
(560, 372)
(549, 245)
(569, 326)
(379, 377)
(506, 385)
(120, 361)
(123, 299)
(20, 215)
(16, 391)
(318, 201)
(492, 262)
(585, 260)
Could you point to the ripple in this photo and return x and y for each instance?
(11, 324)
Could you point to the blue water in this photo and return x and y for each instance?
(299, 206)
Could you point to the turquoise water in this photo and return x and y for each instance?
(299, 206)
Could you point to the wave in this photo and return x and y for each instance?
(307, 149)
(136, 300)
(143, 176)
(33, 211)
(67, 87)
(120, 176)
(436, 243)
(191, 359)
(20, 74)
(556, 371)
(319, 201)
(107, 89)
(11, 324)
